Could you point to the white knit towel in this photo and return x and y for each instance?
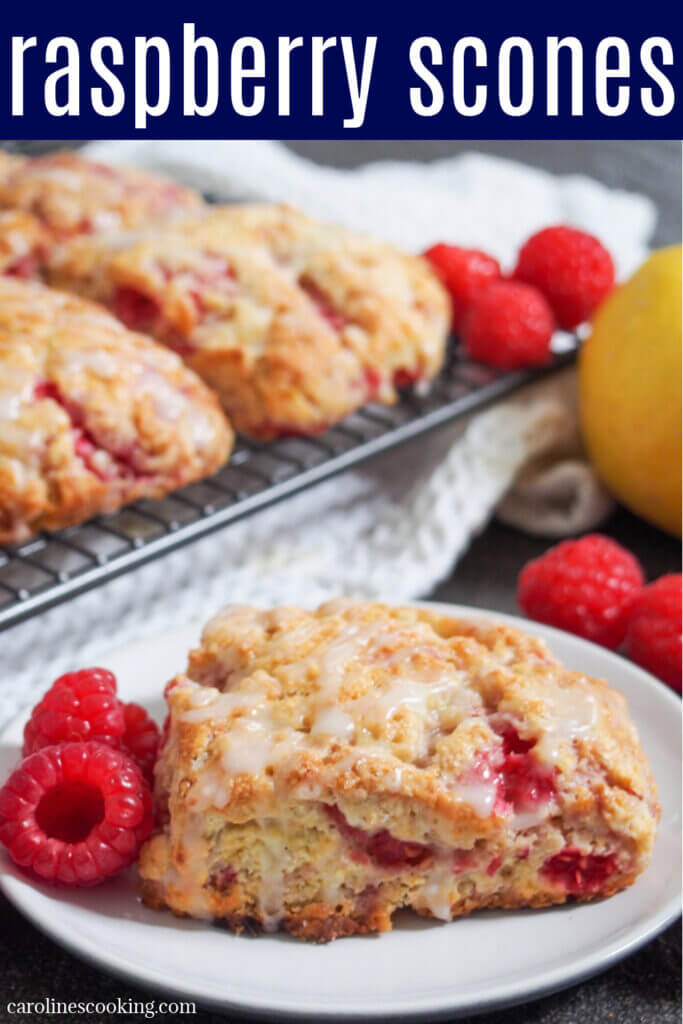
(395, 527)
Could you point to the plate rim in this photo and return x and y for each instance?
(435, 1007)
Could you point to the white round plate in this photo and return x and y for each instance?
(421, 968)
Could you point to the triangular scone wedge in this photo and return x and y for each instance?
(323, 769)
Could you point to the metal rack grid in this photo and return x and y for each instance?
(50, 568)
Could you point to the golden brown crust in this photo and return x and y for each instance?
(71, 195)
(294, 323)
(92, 416)
(324, 769)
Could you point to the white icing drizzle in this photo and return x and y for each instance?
(572, 713)
(480, 795)
(105, 220)
(184, 879)
(334, 722)
(16, 389)
(259, 738)
(102, 363)
(10, 405)
(437, 890)
(251, 746)
(271, 880)
(208, 703)
(523, 820)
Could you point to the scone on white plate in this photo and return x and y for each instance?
(324, 769)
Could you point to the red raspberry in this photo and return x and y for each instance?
(653, 637)
(508, 325)
(572, 268)
(464, 272)
(141, 738)
(76, 813)
(579, 873)
(78, 706)
(585, 586)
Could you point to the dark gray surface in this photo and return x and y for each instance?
(646, 988)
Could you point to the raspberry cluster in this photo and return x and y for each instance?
(79, 805)
(596, 588)
(562, 275)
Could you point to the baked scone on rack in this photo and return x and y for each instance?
(294, 323)
(92, 416)
(70, 195)
(324, 769)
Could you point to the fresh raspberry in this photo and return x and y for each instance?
(653, 636)
(572, 268)
(78, 706)
(464, 272)
(141, 738)
(585, 586)
(508, 325)
(75, 813)
(381, 847)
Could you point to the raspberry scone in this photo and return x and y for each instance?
(70, 195)
(24, 244)
(9, 163)
(92, 416)
(323, 769)
(294, 323)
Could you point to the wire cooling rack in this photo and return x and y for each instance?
(50, 568)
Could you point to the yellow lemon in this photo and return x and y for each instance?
(630, 391)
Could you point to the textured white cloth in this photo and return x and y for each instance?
(395, 527)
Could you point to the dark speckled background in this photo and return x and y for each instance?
(645, 988)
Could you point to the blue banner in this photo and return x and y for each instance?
(414, 72)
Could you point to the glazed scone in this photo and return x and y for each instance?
(71, 195)
(294, 323)
(24, 244)
(323, 769)
(92, 416)
(9, 163)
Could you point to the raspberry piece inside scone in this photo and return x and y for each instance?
(192, 290)
(324, 769)
(75, 813)
(25, 267)
(322, 304)
(381, 848)
(136, 310)
(104, 463)
(578, 872)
